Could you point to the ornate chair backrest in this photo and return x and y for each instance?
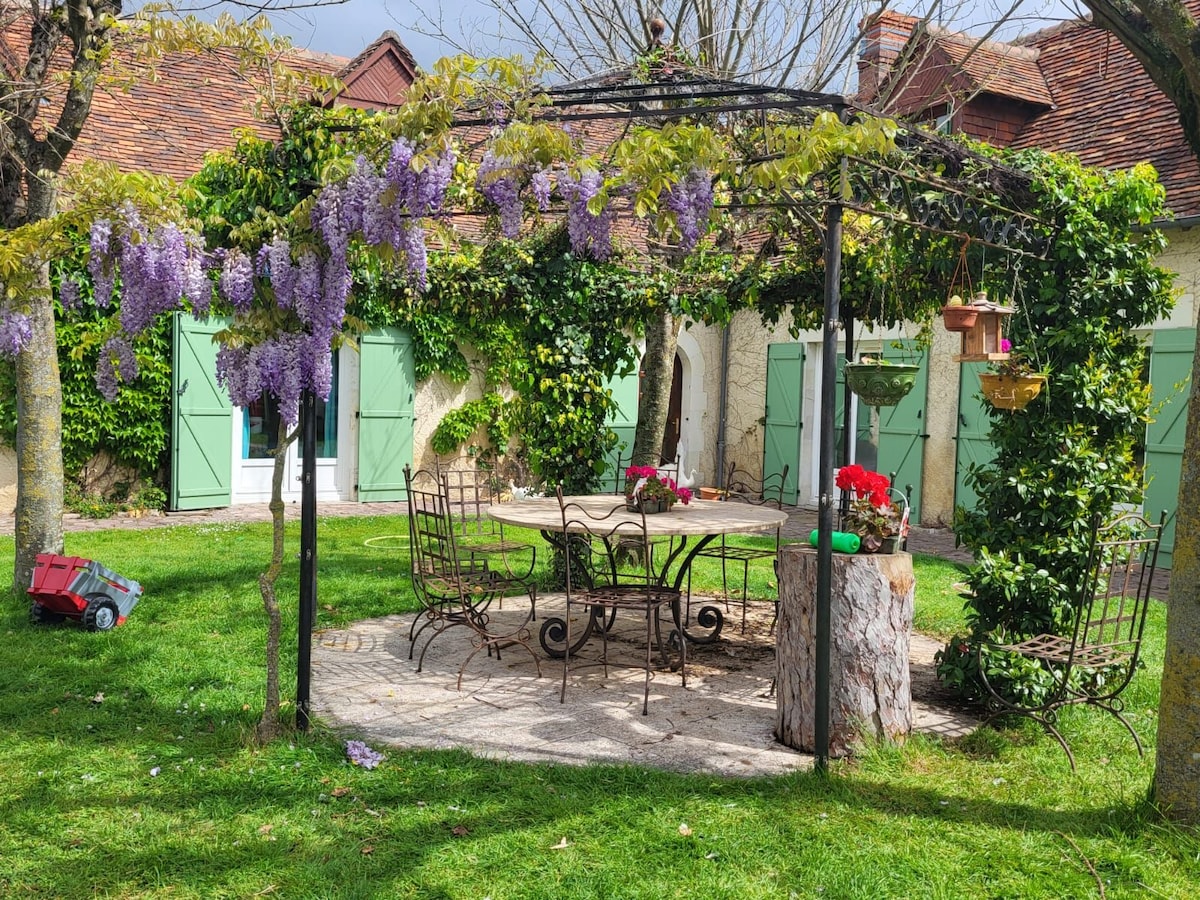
(744, 487)
(470, 489)
(431, 527)
(615, 541)
(1111, 612)
(900, 498)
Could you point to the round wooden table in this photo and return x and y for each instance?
(702, 520)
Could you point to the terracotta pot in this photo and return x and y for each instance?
(959, 318)
(710, 493)
(1010, 391)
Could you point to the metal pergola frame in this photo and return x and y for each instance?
(617, 97)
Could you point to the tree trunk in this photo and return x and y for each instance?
(1163, 37)
(1177, 767)
(39, 441)
(871, 616)
(658, 365)
(271, 725)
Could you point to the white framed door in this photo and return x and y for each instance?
(255, 436)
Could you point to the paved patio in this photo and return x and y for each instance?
(721, 724)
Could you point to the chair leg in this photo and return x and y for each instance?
(745, 590)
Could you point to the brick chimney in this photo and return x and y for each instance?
(884, 35)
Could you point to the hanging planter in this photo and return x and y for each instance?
(1010, 391)
(959, 317)
(880, 383)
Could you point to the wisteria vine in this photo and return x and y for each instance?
(161, 269)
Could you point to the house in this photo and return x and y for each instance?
(1070, 88)
(167, 125)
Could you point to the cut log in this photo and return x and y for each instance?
(870, 694)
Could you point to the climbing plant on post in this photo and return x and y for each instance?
(1070, 454)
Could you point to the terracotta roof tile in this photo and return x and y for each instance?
(199, 101)
(1109, 113)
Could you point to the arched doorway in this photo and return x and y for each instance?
(673, 430)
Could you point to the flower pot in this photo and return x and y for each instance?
(881, 385)
(649, 507)
(959, 318)
(711, 493)
(1010, 391)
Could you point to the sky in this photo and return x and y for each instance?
(347, 28)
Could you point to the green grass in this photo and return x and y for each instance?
(127, 773)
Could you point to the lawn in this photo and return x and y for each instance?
(128, 773)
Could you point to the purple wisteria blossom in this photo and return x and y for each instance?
(15, 332)
(117, 364)
(362, 755)
(691, 200)
(590, 233)
(499, 180)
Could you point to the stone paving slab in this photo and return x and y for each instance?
(722, 723)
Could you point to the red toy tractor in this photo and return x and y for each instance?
(70, 587)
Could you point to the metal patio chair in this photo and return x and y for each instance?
(1094, 660)
(616, 576)
(743, 487)
(470, 490)
(456, 589)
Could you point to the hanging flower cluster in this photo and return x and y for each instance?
(691, 200)
(158, 268)
(386, 208)
(590, 233)
(15, 332)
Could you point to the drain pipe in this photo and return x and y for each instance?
(723, 405)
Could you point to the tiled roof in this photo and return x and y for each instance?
(1006, 69)
(200, 99)
(168, 125)
(1109, 113)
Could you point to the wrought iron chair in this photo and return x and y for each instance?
(1096, 660)
(742, 487)
(616, 575)
(470, 490)
(456, 589)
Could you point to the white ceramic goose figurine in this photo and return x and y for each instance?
(688, 481)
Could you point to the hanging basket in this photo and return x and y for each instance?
(1010, 391)
(881, 384)
(959, 318)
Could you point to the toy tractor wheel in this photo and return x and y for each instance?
(101, 613)
(39, 615)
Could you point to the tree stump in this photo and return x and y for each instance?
(870, 693)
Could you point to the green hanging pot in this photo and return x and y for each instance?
(881, 384)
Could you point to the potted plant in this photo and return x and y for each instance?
(880, 382)
(1012, 382)
(958, 315)
(878, 521)
(648, 491)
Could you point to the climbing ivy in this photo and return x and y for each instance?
(1070, 455)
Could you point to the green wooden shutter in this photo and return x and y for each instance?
(1170, 377)
(973, 445)
(385, 413)
(902, 429)
(201, 418)
(624, 422)
(785, 393)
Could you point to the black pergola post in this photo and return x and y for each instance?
(829, 399)
(308, 555)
